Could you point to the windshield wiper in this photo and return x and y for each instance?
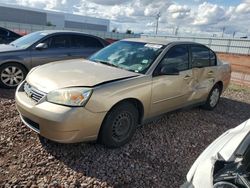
(112, 65)
(106, 63)
(13, 45)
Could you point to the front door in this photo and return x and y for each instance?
(58, 49)
(170, 92)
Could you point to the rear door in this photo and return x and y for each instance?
(170, 92)
(204, 70)
(58, 49)
(83, 46)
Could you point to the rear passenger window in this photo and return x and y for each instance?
(213, 60)
(78, 41)
(93, 42)
(200, 56)
(60, 41)
(176, 57)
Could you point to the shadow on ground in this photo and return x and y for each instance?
(160, 153)
(7, 93)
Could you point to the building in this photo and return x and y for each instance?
(60, 20)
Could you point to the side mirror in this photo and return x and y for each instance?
(165, 70)
(41, 46)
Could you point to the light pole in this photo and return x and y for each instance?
(176, 30)
(234, 34)
(157, 22)
(223, 31)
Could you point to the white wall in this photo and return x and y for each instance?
(56, 19)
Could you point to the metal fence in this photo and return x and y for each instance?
(28, 28)
(225, 45)
(240, 78)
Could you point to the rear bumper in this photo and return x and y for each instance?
(56, 122)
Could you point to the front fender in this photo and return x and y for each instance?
(21, 57)
(104, 97)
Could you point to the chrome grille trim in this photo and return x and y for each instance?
(33, 93)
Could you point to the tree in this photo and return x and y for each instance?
(129, 31)
(49, 23)
(114, 30)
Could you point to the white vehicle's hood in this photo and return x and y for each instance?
(201, 172)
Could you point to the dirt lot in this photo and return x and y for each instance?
(159, 155)
(240, 63)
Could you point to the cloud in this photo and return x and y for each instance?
(208, 14)
(109, 2)
(243, 7)
(61, 5)
(179, 11)
(140, 15)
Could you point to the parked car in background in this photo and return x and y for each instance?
(7, 36)
(119, 87)
(41, 47)
(225, 163)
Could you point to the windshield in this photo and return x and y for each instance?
(132, 56)
(27, 40)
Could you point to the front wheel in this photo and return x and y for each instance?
(119, 125)
(11, 74)
(213, 98)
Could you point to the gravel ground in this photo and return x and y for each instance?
(159, 155)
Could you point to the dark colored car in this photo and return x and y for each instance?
(7, 36)
(41, 47)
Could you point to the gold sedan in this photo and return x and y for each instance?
(107, 96)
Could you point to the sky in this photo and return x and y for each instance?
(187, 17)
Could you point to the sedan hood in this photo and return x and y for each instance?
(223, 148)
(76, 72)
(8, 48)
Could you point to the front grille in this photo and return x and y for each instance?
(33, 93)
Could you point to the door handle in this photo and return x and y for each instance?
(187, 77)
(210, 73)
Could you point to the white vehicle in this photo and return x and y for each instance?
(225, 163)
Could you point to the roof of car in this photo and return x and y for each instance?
(157, 40)
(61, 31)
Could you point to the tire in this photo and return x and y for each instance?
(119, 125)
(213, 98)
(11, 75)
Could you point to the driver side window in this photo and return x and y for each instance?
(177, 58)
(57, 42)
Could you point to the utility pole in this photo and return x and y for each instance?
(176, 31)
(157, 22)
(234, 34)
(223, 31)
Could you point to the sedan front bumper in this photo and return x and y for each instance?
(57, 122)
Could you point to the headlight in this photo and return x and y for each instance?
(77, 96)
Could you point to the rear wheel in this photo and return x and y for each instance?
(213, 98)
(119, 125)
(11, 74)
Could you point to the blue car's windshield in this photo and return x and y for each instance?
(132, 56)
(27, 40)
